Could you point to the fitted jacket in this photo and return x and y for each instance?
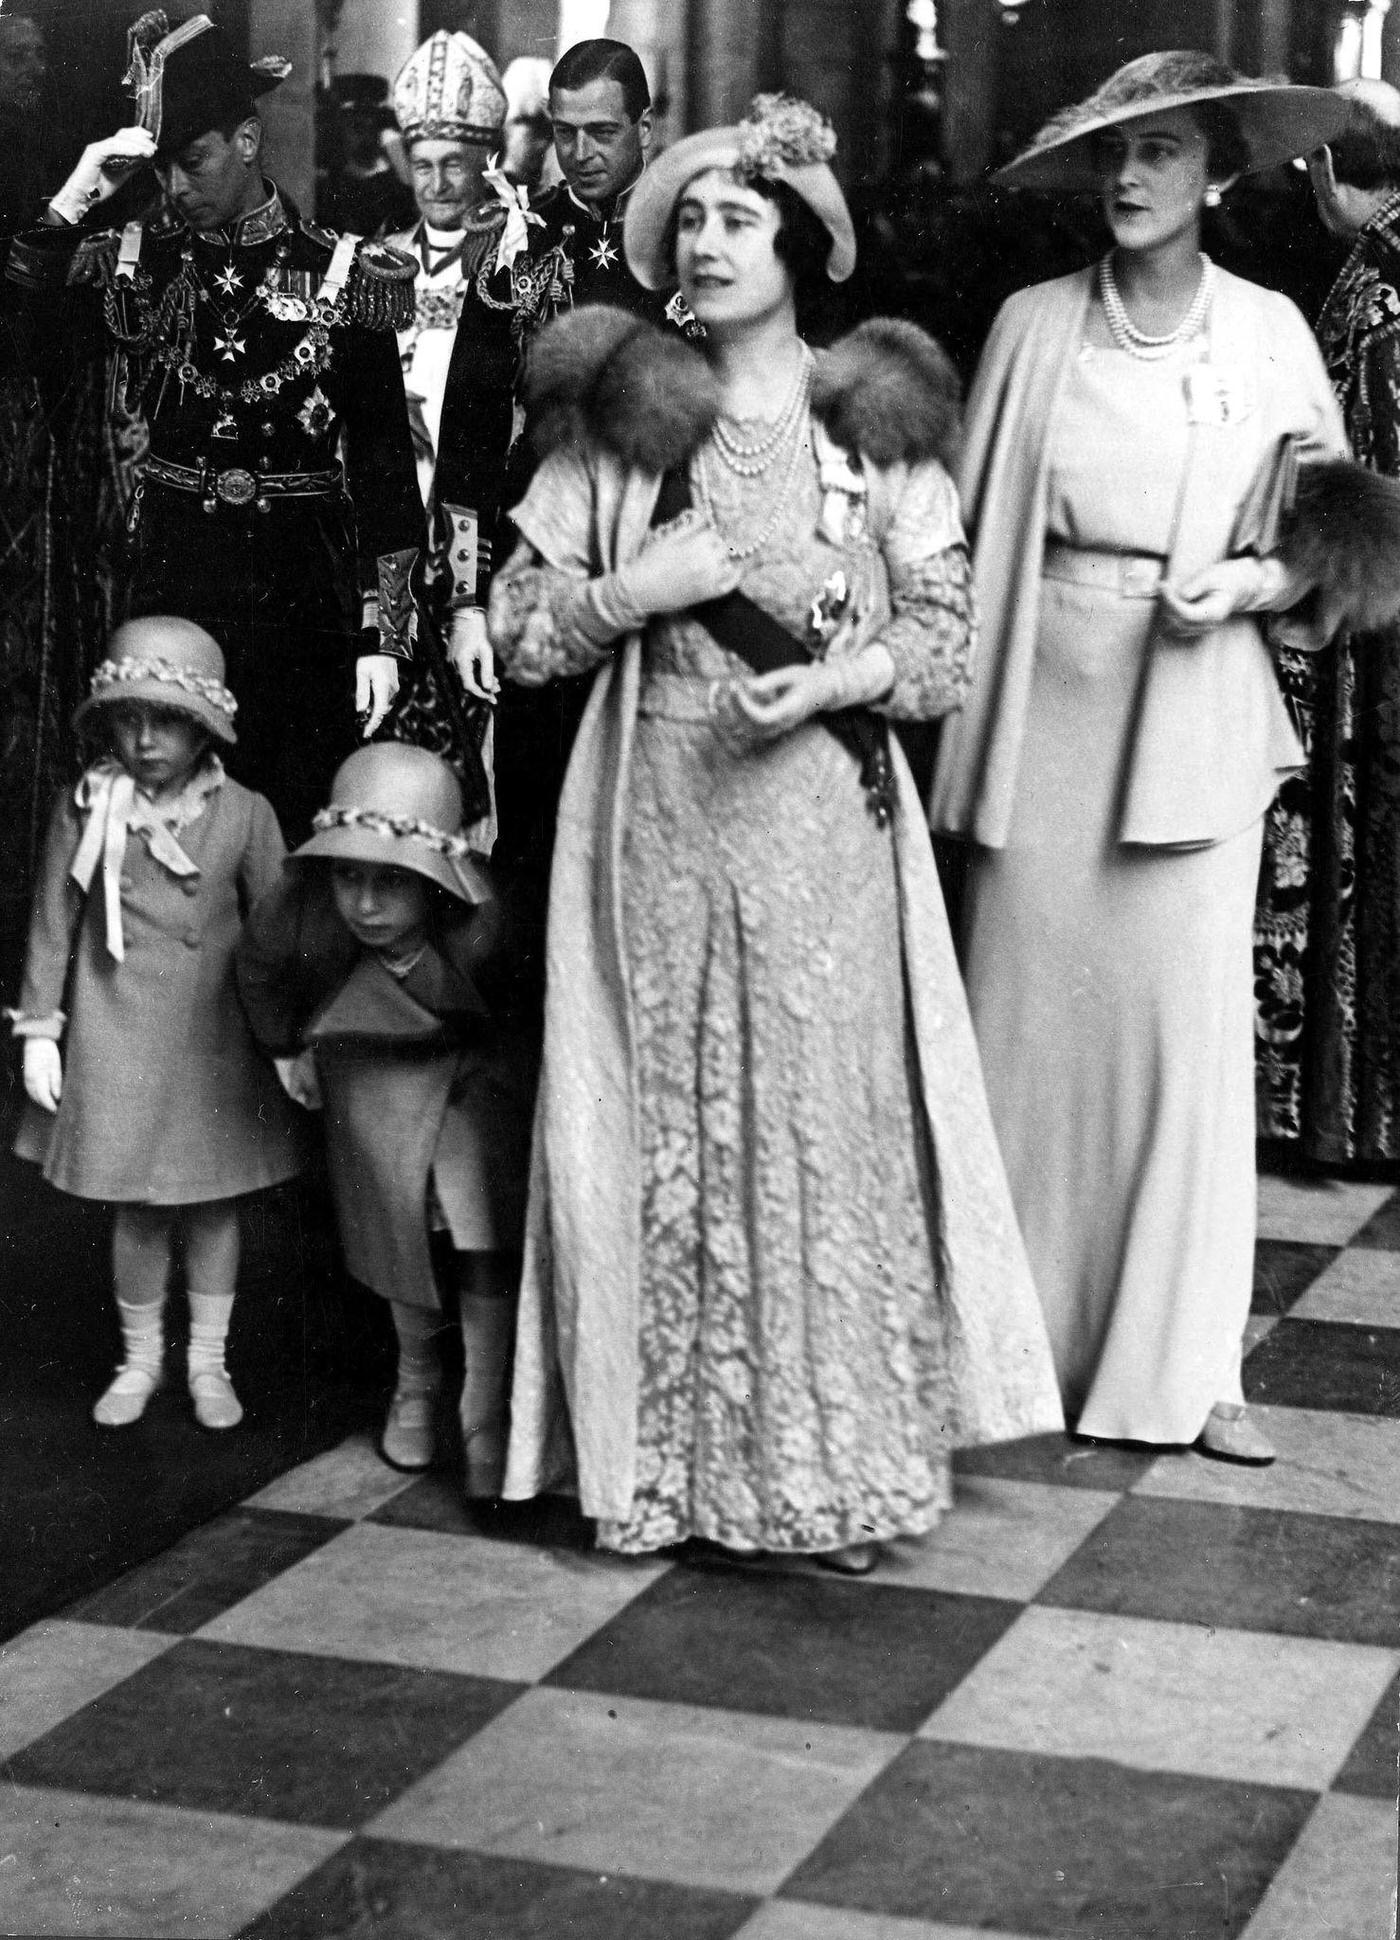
(1212, 737)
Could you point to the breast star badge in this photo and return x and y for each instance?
(315, 415)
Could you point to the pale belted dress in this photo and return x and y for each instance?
(1114, 781)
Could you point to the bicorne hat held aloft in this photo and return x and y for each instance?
(190, 80)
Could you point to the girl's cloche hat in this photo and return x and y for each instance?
(1276, 121)
(400, 806)
(779, 139)
(170, 662)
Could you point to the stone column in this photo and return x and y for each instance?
(288, 27)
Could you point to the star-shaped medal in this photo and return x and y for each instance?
(603, 253)
(228, 280)
(231, 346)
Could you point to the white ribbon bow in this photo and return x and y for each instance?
(515, 197)
(106, 794)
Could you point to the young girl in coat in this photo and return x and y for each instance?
(372, 959)
(145, 1087)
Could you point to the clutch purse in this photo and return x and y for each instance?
(1264, 514)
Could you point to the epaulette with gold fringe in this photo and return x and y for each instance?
(95, 258)
(318, 233)
(380, 292)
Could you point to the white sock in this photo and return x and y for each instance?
(143, 1336)
(209, 1318)
(420, 1370)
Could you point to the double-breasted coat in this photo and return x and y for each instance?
(166, 1098)
(425, 1090)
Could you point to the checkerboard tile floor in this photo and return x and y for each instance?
(1114, 1696)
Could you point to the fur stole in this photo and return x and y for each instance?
(603, 375)
(1343, 536)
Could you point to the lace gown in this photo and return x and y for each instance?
(792, 1361)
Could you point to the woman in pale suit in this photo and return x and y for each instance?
(1129, 432)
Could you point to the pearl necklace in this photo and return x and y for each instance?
(752, 459)
(781, 500)
(1138, 343)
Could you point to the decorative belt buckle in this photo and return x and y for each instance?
(1139, 579)
(236, 486)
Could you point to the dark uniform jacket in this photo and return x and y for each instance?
(250, 353)
(572, 256)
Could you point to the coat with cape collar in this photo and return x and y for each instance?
(575, 1393)
(1212, 737)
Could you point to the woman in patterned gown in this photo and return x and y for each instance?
(773, 1276)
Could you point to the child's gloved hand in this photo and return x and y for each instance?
(43, 1072)
(298, 1079)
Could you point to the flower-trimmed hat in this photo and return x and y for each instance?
(170, 662)
(398, 805)
(1277, 121)
(780, 139)
(189, 80)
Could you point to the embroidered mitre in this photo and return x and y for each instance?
(449, 90)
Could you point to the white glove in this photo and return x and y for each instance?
(469, 650)
(298, 1079)
(102, 168)
(43, 1072)
(376, 684)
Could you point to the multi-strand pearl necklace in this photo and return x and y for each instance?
(752, 458)
(1138, 343)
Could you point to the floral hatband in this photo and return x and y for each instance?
(375, 822)
(168, 673)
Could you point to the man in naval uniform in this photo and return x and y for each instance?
(250, 340)
(558, 251)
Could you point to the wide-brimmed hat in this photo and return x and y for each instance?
(1276, 121)
(779, 139)
(170, 662)
(190, 80)
(449, 90)
(400, 806)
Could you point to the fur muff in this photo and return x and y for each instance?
(603, 375)
(889, 391)
(1343, 537)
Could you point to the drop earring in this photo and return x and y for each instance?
(1212, 197)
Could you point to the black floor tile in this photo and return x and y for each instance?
(377, 1890)
(1284, 1269)
(1327, 1364)
(1371, 1767)
(1239, 1569)
(791, 1646)
(1059, 1459)
(1382, 1229)
(1030, 1844)
(207, 1572)
(437, 1503)
(266, 1733)
(81, 1504)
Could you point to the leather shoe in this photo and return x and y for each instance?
(409, 1441)
(856, 1559)
(125, 1400)
(1230, 1436)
